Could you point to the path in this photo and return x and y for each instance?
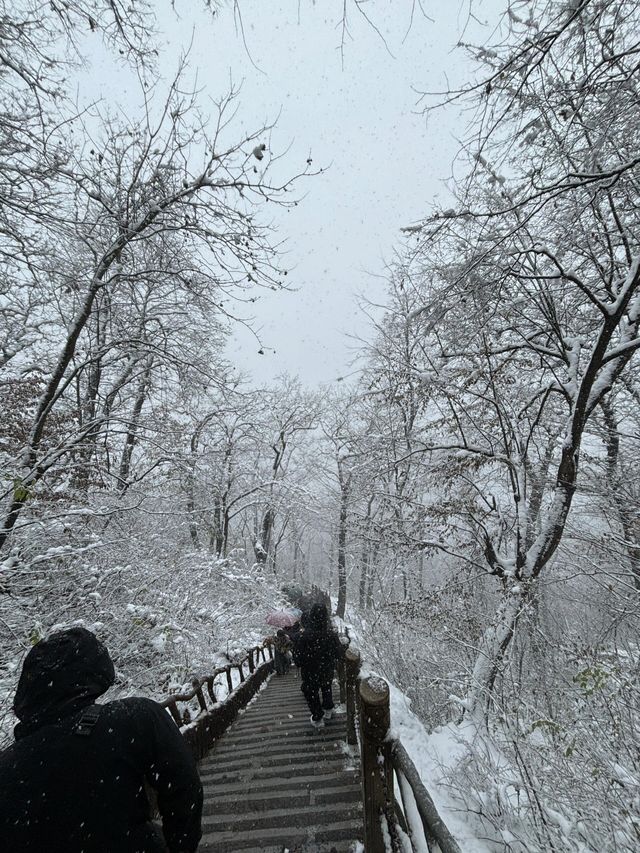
(272, 783)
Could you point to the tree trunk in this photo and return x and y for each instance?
(217, 533)
(132, 432)
(365, 556)
(421, 571)
(364, 574)
(373, 561)
(493, 645)
(225, 531)
(87, 408)
(622, 502)
(345, 483)
(191, 513)
(262, 541)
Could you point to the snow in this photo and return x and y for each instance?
(435, 755)
(159, 642)
(405, 795)
(565, 714)
(377, 685)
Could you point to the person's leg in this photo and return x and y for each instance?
(327, 696)
(279, 662)
(311, 694)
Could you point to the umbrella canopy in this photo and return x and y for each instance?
(283, 618)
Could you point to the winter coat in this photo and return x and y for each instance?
(74, 781)
(318, 649)
(282, 644)
(293, 632)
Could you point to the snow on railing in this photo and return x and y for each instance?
(390, 823)
(215, 715)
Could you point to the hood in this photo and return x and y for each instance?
(60, 675)
(318, 618)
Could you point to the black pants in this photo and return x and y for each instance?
(281, 662)
(312, 691)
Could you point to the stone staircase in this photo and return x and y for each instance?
(274, 784)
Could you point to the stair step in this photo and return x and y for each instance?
(313, 816)
(344, 833)
(285, 798)
(281, 728)
(269, 712)
(302, 734)
(320, 787)
(316, 741)
(282, 721)
(277, 730)
(284, 753)
(280, 696)
(349, 778)
(257, 773)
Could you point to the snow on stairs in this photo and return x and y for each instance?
(272, 783)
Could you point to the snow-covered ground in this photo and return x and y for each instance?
(436, 756)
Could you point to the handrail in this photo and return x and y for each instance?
(211, 722)
(214, 718)
(382, 758)
(432, 823)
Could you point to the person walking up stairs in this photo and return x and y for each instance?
(317, 652)
(273, 783)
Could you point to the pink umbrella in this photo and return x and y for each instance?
(283, 618)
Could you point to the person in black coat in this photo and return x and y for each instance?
(282, 645)
(75, 779)
(316, 652)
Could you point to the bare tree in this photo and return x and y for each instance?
(167, 203)
(532, 287)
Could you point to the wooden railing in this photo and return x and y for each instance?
(387, 767)
(385, 764)
(348, 675)
(215, 716)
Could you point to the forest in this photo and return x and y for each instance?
(468, 493)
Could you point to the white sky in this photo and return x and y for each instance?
(386, 162)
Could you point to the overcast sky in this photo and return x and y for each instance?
(356, 112)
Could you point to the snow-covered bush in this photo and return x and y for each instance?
(556, 766)
(166, 613)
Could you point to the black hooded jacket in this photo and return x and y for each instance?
(65, 791)
(318, 648)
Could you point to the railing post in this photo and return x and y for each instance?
(352, 670)
(342, 681)
(211, 690)
(227, 670)
(250, 659)
(173, 710)
(199, 694)
(375, 752)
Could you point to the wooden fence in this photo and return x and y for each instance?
(386, 769)
(395, 801)
(214, 717)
